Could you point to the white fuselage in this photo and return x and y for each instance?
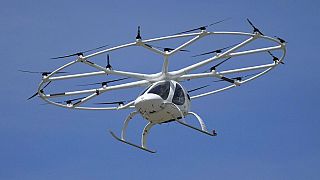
(163, 101)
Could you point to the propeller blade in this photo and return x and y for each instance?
(35, 72)
(104, 82)
(202, 27)
(275, 59)
(148, 45)
(166, 48)
(220, 80)
(108, 66)
(214, 51)
(69, 101)
(46, 85)
(239, 78)
(228, 79)
(69, 55)
(43, 73)
(191, 30)
(95, 49)
(281, 40)
(75, 99)
(215, 66)
(189, 91)
(255, 29)
(115, 102)
(78, 53)
(66, 101)
(171, 49)
(35, 94)
(223, 78)
(138, 33)
(271, 54)
(115, 80)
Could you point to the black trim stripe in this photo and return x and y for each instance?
(90, 62)
(77, 103)
(57, 94)
(227, 79)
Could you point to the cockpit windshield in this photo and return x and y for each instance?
(178, 96)
(162, 89)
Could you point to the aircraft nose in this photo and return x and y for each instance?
(148, 103)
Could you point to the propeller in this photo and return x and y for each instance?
(281, 40)
(35, 94)
(108, 66)
(70, 100)
(231, 80)
(215, 66)
(222, 78)
(228, 79)
(239, 78)
(165, 48)
(67, 101)
(202, 27)
(275, 59)
(44, 73)
(255, 29)
(214, 51)
(138, 34)
(196, 89)
(104, 83)
(79, 53)
(115, 102)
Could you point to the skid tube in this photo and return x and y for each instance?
(182, 121)
(131, 144)
(200, 130)
(144, 133)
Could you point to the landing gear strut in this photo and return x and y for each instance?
(203, 126)
(144, 134)
(147, 128)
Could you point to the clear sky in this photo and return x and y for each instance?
(268, 129)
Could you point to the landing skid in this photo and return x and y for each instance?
(131, 144)
(200, 130)
(147, 128)
(203, 126)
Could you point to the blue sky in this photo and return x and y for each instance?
(268, 129)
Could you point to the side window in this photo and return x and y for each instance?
(161, 89)
(178, 96)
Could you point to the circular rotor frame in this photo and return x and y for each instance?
(179, 75)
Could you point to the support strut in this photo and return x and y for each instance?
(144, 134)
(125, 124)
(202, 124)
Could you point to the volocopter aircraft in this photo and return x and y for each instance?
(165, 99)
